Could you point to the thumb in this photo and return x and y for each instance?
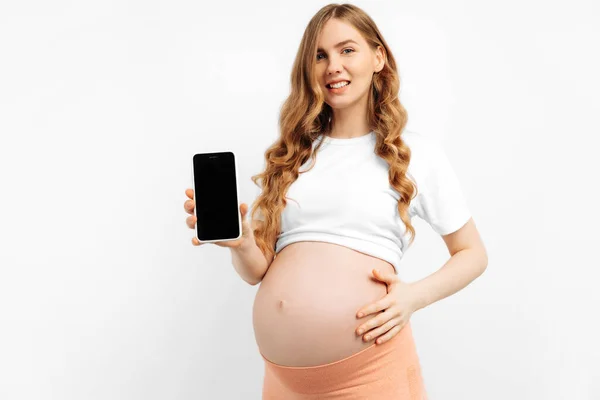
(383, 276)
(243, 209)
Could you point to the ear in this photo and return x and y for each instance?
(379, 59)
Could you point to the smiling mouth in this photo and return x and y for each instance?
(328, 86)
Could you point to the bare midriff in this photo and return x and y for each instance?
(304, 312)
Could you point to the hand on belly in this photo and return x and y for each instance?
(304, 312)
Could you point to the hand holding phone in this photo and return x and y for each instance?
(247, 233)
(216, 206)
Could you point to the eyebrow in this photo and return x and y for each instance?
(341, 44)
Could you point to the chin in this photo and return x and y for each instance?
(340, 104)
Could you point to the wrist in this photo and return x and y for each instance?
(417, 297)
(245, 245)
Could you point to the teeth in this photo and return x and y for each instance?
(339, 85)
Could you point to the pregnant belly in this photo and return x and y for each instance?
(304, 312)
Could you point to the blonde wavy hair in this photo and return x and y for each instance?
(304, 116)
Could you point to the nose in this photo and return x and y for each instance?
(334, 66)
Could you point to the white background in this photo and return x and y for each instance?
(103, 104)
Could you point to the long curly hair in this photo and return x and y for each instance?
(304, 116)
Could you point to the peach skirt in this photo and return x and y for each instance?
(388, 371)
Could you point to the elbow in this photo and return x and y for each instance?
(484, 256)
(484, 259)
(479, 258)
(258, 280)
(254, 282)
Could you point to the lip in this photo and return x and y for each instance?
(336, 81)
(341, 90)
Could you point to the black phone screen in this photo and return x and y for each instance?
(215, 194)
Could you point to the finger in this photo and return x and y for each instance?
(191, 221)
(190, 193)
(196, 242)
(390, 334)
(374, 322)
(380, 329)
(189, 206)
(386, 277)
(380, 305)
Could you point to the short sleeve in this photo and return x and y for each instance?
(440, 201)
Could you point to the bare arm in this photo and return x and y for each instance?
(468, 261)
(249, 261)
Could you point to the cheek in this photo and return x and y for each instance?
(361, 84)
(359, 65)
(361, 75)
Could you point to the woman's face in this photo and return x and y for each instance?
(353, 61)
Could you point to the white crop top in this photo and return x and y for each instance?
(346, 198)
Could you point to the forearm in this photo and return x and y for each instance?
(460, 270)
(249, 262)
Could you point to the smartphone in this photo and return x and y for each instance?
(217, 211)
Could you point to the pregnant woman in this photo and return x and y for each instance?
(339, 190)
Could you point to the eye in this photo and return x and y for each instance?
(348, 48)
